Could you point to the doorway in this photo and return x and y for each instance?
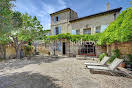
(64, 48)
(88, 48)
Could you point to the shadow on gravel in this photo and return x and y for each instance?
(19, 63)
(27, 80)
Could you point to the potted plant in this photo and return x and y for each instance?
(129, 62)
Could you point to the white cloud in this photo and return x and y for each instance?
(62, 3)
(42, 11)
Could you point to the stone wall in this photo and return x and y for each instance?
(93, 22)
(125, 48)
(100, 50)
(43, 49)
(65, 17)
(74, 48)
(10, 52)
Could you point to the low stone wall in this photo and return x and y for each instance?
(100, 50)
(124, 48)
(42, 49)
(10, 52)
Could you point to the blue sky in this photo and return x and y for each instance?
(42, 8)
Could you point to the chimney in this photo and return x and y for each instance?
(108, 6)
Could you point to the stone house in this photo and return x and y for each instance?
(67, 21)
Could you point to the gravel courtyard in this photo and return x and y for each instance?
(47, 72)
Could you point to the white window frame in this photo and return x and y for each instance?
(98, 29)
(84, 31)
(56, 18)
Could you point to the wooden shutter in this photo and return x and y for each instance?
(58, 18)
(53, 30)
(54, 18)
(59, 46)
(59, 29)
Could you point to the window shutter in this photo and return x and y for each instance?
(59, 29)
(54, 31)
(59, 46)
(54, 18)
(58, 18)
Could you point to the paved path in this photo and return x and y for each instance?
(40, 72)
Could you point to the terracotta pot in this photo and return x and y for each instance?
(123, 65)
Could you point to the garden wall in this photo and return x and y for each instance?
(11, 53)
(125, 48)
(100, 50)
(43, 49)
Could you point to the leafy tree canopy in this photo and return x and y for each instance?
(5, 19)
(120, 30)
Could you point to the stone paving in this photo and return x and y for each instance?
(47, 72)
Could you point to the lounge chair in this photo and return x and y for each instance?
(103, 62)
(111, 67)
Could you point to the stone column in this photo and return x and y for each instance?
(81, 31)
(93, 29)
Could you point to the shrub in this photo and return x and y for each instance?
(112, 58)
(116, 54)
(130, 57)
(101, 56)
(28, 49)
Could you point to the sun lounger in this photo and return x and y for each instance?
(112, 66)
(103, 62)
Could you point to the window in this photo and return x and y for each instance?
(76, 32)
(103, 27)
(56, 18)
(114, 16)
(98, 29)
(57, 30)
(87, 31)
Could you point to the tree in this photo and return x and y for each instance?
(25, 29)
(5, 18)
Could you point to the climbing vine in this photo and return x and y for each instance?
(118, 31)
